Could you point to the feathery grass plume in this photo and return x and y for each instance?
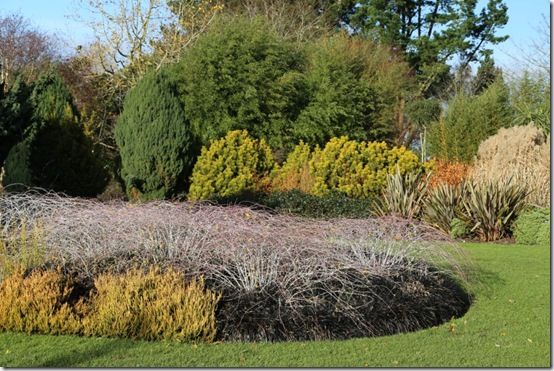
(522, 153)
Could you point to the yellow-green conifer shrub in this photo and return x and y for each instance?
(230, 166)
(37, 303)
(359, 169)
(154, 305)
(295, 172)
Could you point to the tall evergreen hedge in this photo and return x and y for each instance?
(154, 140)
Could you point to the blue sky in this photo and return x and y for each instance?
(57, 16)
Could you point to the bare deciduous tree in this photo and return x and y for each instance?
(23, 49)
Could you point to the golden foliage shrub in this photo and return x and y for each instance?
(521, 152)
(152, 306)
(38, 302)
(448, 172)
(231, 165)
(358, 169)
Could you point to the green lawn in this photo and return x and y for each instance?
(508, 326)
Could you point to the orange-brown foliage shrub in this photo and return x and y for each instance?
(448, 172)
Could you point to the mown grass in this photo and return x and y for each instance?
(507, 326)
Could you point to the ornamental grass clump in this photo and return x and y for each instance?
(521, 153)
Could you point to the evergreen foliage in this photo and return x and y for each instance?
(15, 116)
(530, 97)
(356, 169)
(154, 140)
(241, 75)
(468, 121)
(231, 166)
(55, 154)
(487, 74)
(354, 87)
(532, 227)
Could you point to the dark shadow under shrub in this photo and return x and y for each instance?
(333, 205)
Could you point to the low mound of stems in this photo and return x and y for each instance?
(281, 277)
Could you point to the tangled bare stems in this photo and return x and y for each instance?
(282, 277)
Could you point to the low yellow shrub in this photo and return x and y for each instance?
(37, 303)
(231, 165)
(358, 169)
(152, 306)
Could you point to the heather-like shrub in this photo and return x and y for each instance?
(521, 152)
(449, 172)
(281, 277)
(358, 169)
(532, 227)
(230, 166)
(38, 302)
(154, 140)
(153, 306)
(490, 208)
(23, 248)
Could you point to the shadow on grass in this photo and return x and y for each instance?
(88, 351)
(483, 281)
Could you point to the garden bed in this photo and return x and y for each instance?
(280, 277)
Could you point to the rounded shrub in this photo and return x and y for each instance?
(242, 76)
(532, 227)
(333, 205)
(358, 169)
(230, 166)
(55, 153)
(154, 140)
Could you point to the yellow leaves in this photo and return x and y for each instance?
(152, 305)
(230, 165)
(358, 169)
